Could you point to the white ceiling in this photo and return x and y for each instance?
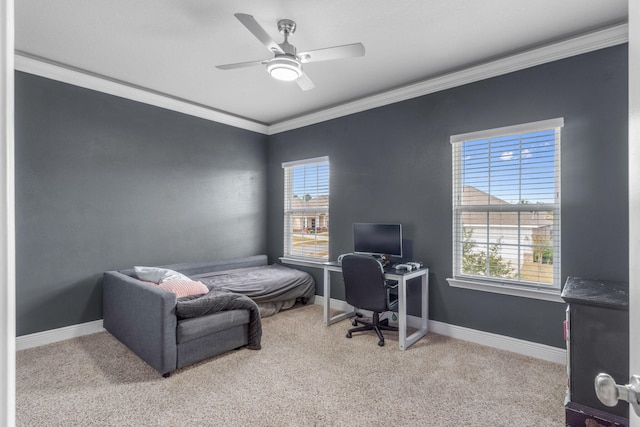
(171, 47)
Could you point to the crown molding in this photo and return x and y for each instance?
(590, 42)
(98, 83)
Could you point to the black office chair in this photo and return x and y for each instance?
(367, 289)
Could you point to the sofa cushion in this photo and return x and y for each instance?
(158, 275)
(191, 329)
(184, 288)
(211, 345)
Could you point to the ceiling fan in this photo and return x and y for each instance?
(287, 62)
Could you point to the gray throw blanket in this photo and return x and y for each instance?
(217, 300)
(266, 283)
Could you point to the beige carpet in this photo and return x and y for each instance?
(305, 374)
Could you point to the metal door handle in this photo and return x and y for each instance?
(609, 392)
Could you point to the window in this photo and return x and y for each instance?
(506, 209)
(306, 209)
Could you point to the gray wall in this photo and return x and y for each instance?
(394, 164)
(105, 183)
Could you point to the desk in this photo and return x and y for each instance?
(390, 274)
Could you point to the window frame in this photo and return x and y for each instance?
(517, 287)
(290, 210)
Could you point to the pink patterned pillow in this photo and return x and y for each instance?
(184, 288)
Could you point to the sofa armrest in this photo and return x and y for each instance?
(142, 317)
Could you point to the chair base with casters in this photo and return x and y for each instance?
(376, 325)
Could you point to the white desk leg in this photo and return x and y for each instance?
(402, 313)
(327, 296)
(425, 303)
(328, 320)
(407, 341)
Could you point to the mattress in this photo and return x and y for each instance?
(272, 287)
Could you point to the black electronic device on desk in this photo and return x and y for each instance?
(380, 240)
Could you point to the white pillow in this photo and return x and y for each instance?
(158, 275)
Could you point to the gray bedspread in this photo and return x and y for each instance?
(218, 300)
(267, 283)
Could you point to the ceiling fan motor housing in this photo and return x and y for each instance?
(285, 66)
(286, 27)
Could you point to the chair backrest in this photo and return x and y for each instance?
(364, 282)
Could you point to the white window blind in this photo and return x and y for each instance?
(506, 206)
(306, 208)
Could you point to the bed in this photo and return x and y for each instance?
(273, 287)
(175, 315)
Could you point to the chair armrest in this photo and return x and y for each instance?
(142, 317)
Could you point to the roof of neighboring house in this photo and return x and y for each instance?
(314, 202)
(474, 196)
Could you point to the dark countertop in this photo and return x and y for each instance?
(596, 292)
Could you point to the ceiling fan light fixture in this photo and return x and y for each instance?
(284, 69)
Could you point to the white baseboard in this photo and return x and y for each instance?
(54, 335)
(528, 348)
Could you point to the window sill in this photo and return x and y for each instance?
(552, 295)
(316, 263)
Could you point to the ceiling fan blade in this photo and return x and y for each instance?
(305, 82)
(331, 53)
(240, 65)
(255, 28)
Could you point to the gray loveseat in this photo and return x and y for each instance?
(143, 317)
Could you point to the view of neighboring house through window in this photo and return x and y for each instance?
(306, 208)
(506, 205)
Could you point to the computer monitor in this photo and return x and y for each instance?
(377, 239)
